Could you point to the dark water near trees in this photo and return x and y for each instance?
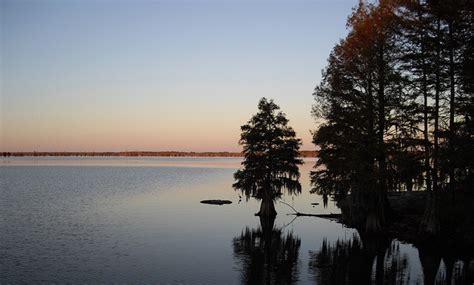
(139, 220)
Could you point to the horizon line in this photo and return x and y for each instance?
(303, 153)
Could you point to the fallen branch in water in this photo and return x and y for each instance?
(325, 216)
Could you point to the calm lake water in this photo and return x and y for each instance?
(139, 220)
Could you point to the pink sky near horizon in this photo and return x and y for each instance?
(127, 133)
(158, 75)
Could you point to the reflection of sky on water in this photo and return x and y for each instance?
(218, 162)
(143, 222)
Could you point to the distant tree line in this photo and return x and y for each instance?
(397, 104)
(304, 153)
(129, 153)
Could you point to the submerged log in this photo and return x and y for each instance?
(216, 202)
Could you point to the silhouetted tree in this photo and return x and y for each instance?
(397, 105)
(271, 160)
(357, 99)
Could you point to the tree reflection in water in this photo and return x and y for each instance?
(377, 260)
(441, 267)
(267, 255)
(350, 262)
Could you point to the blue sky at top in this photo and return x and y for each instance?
(158, 75)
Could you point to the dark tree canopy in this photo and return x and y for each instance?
(396, 105)
(271, 152)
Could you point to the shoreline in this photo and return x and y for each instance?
(456, 239)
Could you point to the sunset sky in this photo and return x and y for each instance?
(100, 75)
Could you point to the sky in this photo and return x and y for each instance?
(103, 75)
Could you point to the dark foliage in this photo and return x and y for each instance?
(270, 151)
(397, 105)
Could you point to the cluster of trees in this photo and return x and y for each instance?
(397, 104)
(397, 107)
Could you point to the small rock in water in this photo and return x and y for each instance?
(216, 202)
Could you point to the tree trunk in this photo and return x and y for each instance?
(376, 215)
(430, 221)
(375, 220)
(381, 122)
(409, 185)
(267, 207)
(372, 137)
(424, 87)
(436, 111)
(451, 109)
(373, 223)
